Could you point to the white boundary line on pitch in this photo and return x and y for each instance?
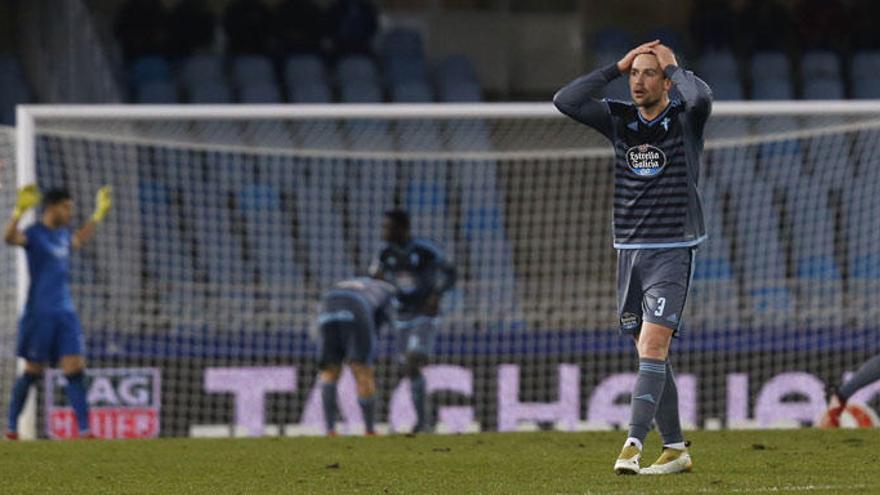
(765, 489)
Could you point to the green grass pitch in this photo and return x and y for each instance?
(790, 461)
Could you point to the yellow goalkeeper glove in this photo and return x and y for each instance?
(28, 197)
(103, 203)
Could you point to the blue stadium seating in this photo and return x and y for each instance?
(865, 88)
(263, 92)
(455, 69)
(820, 64)
(402, 69)
(304, 69)
(357, 68)
(760, 257)
(316, 92)
(150, 68)
(411, 92)
(772, 89)
(199, 69)
(770, 65)
(819, 280)
(824, 88)
(861, 203)
(727, 90)
(714, 300)
(360, 92)
(156, 92)
(717, 67)
(252, 69)
(211, 92)
(461, 93)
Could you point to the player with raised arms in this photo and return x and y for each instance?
(350, 319)
(657, 223)
(421, 273)
(49, 331)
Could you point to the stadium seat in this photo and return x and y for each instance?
(772, 89)
(825, 88)
(861, 202)
(830, 159)
(455, 69)
(717, 67)
(401, 42)
(360, 92)
(199, 69)
(320, 222)
(461, 93)
(714, 300)
(780, 161)
(357, 68)
(265, 92)
(150, 68)
(402, 69)
(865, 65)
(270, 236)
(156, 92)
(760, 258)
(865, 89)
(819, 280)
(820, 64)
(411, 92)
(727, 90)
(214, 92)
(304, 69)
(252, 69)
(770, 65)
(314, 92)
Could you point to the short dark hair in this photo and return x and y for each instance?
(55, 196)
(399, 216)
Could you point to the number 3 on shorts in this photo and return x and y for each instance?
(661, 305)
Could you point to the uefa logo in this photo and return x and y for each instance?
(645, 160)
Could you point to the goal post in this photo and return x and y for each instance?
(230, 220)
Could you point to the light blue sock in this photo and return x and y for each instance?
(76, 395)
(19, 397)
(328, 400)
(417, 389)
(368, 408)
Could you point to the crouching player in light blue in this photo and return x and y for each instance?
(49, 331)
(350, 319)
(421, 274)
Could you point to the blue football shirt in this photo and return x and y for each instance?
(48, 258)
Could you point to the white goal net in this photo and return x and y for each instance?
(229, 222)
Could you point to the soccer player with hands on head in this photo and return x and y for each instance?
(49, 330)
(657, 223)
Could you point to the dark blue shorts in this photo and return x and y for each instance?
(47, 337)
(341, 341)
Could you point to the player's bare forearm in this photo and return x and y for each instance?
(12, 235)
(84, 234)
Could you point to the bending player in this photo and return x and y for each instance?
(49, 331)
(658, 223)
(867, 374)
(351, 316)
(422, 275)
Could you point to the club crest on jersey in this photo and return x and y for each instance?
(645, 160)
